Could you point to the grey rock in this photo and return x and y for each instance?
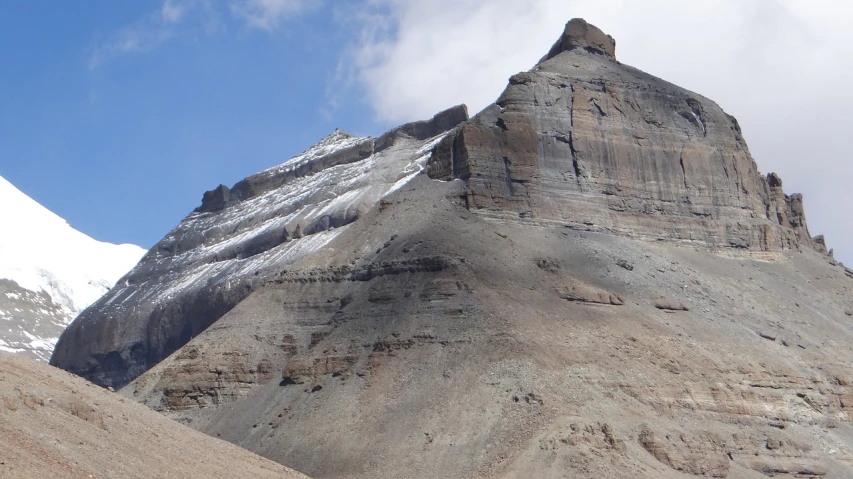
(31, 320)
(215, 200)
(584, 141)
(494, 320)
(767, 336)
(625, 264)
(236, 241)
(585, 293)
(670, 305)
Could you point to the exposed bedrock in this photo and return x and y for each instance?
(502, 316)
(585, 141)
(238, 239)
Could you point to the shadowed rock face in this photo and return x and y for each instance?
(511, 319)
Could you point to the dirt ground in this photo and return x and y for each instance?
(55, 425)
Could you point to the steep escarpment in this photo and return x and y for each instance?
(504, 315)
(585, 141)
(238, 239)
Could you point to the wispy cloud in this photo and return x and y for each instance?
(145, 34)
(173, 11)
(175, 18)
(269, 14)
(131, 39)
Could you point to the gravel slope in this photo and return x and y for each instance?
(55, 425)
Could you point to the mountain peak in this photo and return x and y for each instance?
(49, 272)
(579, 34)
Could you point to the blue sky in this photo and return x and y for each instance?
(123, 143)
(119, 114)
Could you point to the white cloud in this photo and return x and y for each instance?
(780, 66)
(132, 39)
(268, 14)
(175, 18)
(172, 11)
(146, 33)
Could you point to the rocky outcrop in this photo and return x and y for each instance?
(575, 291)
(31, 320)
(581, 35)
(704, 455)
(585, 141)
(666, 304)
(789, 211)
(238, 239)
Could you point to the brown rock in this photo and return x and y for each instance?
(703, 455)
(581, 35)
(666, 304)
(577, 291)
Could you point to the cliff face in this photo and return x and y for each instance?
(587, 142)
(503, 314)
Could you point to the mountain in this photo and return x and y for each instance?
(589, 278)
(55, 425)
(49, 272)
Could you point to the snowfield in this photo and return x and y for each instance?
(52, 272)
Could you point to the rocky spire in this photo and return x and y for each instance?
(580, 34)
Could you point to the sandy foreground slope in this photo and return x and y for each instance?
(53, 424)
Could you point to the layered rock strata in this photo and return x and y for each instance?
(585, 141)
(238, 239)
(506, 321)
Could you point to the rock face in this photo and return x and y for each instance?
(587, 142)
(236, 241)
(582, 35)
(504, 314)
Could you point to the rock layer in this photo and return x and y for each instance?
(237, 240)
(585, 141)
(348, 316)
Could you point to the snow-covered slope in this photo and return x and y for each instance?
(49, 272)
(239, 239)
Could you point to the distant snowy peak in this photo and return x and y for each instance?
(49, 272)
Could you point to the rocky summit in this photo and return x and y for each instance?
(589, 278)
